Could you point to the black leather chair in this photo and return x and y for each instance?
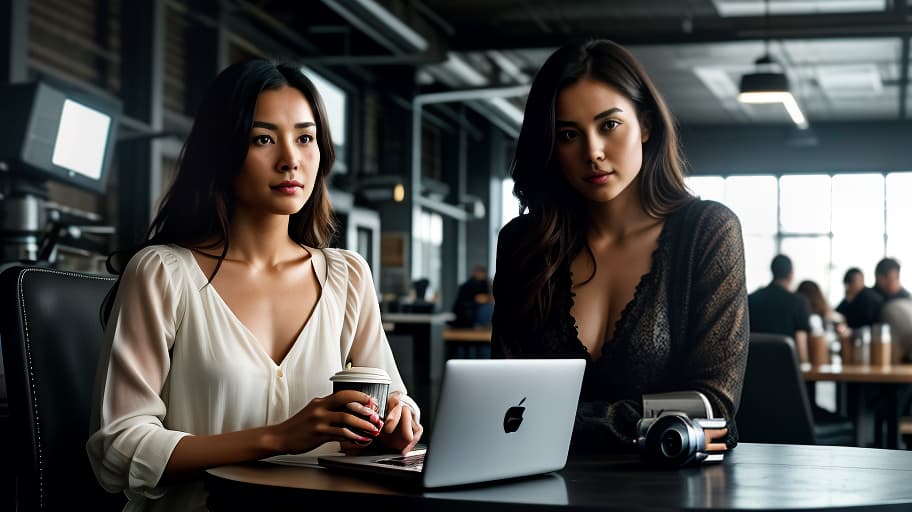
(774, 402)
(51, 336)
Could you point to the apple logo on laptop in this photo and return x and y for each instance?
(514, 417)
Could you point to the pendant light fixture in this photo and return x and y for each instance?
(769, 83)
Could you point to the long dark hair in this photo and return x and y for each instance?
(196, 209)
(559, 218)
(816, 300)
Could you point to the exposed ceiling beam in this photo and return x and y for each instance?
(511, 35)
(380, 25)
(281, 42)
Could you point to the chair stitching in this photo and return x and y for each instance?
(34, 388)
(31, 372)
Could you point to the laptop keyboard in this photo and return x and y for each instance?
(410, 462)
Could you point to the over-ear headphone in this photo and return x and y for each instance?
(673, 439)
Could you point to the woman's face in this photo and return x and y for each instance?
(599, 139)
(278, 174)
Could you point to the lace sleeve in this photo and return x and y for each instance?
(718, 336)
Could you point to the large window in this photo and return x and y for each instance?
(753, 199)
(899, 213)
(335, 102)
(824, 223)
(509, 203)
(427, 233)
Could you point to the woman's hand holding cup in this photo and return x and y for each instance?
(347, 416)
(401, 430)
(374, 382)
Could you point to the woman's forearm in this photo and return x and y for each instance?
(194, 454)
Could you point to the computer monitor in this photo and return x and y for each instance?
(63, 136)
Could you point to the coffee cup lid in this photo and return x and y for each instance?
(362, 374)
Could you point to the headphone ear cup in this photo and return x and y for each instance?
(673, 441)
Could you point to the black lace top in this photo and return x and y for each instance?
(685, 328)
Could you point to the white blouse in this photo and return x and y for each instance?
(177, 361)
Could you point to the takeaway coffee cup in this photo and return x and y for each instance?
(818, 350)
(372, 381)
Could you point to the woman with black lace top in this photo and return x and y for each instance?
(613, 260)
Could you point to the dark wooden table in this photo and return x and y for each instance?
(753, 477)
(467, 335)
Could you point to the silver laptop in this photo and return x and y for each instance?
(496, 419)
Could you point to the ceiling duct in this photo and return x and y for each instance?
(378, 23)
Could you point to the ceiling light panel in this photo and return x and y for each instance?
(839, 81)
(742, 8)
(842, 51)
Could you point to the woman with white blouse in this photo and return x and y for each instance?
(227, 324)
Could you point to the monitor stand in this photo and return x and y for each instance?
(22, 218)
(32, 227)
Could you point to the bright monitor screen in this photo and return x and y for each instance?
(82, 138)
(53, 133)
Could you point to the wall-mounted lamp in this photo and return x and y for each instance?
(770, 85)
(474, 206)
(399, 192)
(433, 189)
(383, 192)
(374, 188)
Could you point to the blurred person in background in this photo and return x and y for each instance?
(887, 284)
(896, 310)
(775, 309)
(473, 300)
(861, 305)
(822, 315)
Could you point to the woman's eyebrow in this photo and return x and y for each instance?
(598, 116)
(270, 126)
(607, 113)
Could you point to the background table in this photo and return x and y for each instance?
(753, 476)
(467, 334)
(420, 360)
(467, 342)
(891, 374)
(860, 382)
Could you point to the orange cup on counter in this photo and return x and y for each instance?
(818, 350)
(881, 346)
(801, 346)
(845, 348)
